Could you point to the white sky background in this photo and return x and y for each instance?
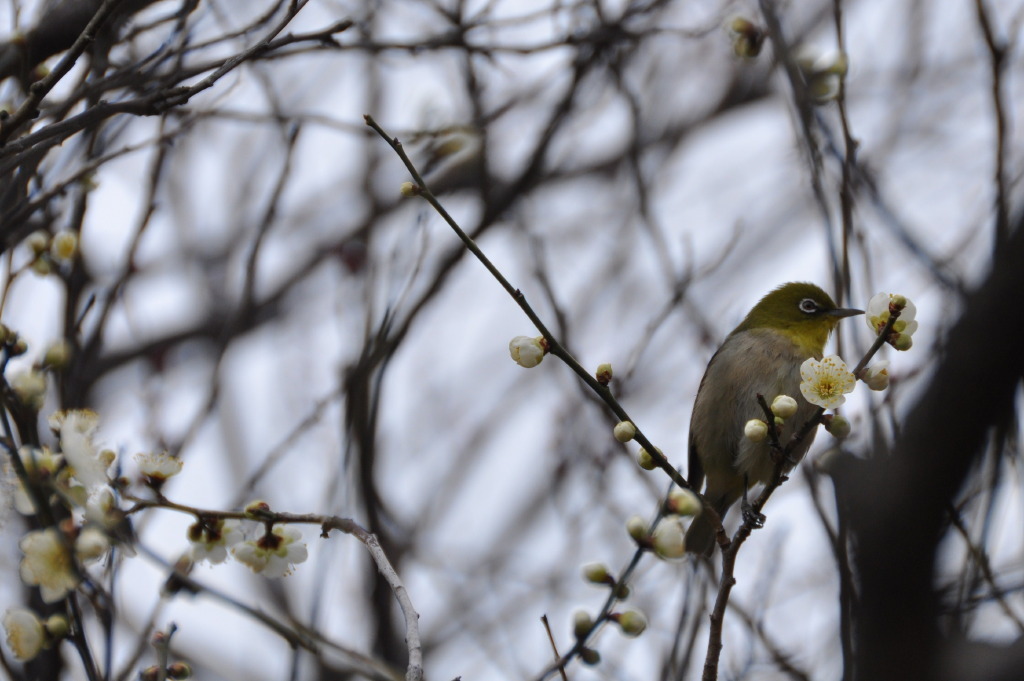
(507, 480)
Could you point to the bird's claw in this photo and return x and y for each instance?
(750, 516)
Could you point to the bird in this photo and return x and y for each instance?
(761, 356)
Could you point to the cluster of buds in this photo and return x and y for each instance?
(782, 408)
(50, 252)
(667, 539)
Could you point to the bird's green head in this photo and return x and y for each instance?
(800, 310)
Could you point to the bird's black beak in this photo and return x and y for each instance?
(843, 312)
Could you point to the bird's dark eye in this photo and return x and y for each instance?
(809, 306)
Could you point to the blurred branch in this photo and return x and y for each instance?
(997, 52)
(898, 505)
(61, 27)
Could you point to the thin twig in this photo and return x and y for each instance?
(414, 671)
(997, 55)
(29, 109)
(554, 346)
(554, 646)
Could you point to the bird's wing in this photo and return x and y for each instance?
(694, 470)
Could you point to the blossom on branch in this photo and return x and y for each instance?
(881, 307)
(25, 633)
(76, 428)
(274, 553)
(824, 383)
(48, 564)
(211, 539)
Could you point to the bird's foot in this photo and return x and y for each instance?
(750, 516)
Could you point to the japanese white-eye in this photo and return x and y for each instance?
(761, 356)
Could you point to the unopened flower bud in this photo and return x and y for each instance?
(91, 544)
(901, 341)
(408, 189)
(597, 573)
(527, 352)
(57, 356)
(38, 242)
(747, 37)
(64, 246)
(42, 266)
(30, 388)
(668, 538)
(257, 509)
(582, 623)
(179, 671)
(589, 656)
(624, 431)
(637, 528)
(684, 502)
(838, 426)
(645, 460)
(632, 622)
(56, 626)
(755, 430)
(784, 406)
(876, 376)
(604, 373)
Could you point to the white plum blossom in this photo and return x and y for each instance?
(101, 507)
(211, 539)
(40, 464)
(157, 467)
(824, 383)
(878, 314)
(25, 634)
(76, 428)
(48, 564)
(273, 554)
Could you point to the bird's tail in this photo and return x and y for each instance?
(700, 537)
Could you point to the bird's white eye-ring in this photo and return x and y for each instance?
(809, 305)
